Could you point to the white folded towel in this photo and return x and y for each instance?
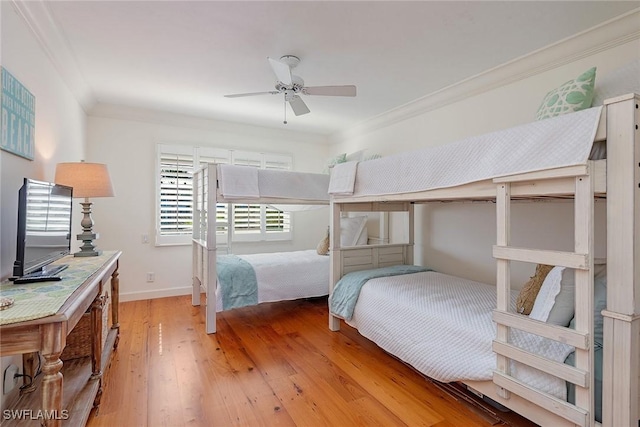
(237, 182)
(343, 178)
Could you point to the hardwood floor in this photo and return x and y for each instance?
(273, 364)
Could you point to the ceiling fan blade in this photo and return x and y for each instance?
(239, 95)
(347, 90)
(281, 70)
(298, 106)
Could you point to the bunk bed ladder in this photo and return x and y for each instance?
(581, 260)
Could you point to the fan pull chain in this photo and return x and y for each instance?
(285, 110)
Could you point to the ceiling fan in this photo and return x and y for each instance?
(291, 85)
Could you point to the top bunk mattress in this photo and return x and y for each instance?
(557, 142)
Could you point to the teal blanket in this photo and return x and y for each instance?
(345, 294)
(237, 281)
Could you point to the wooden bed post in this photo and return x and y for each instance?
(336, 259)
(621, 394)
(211, 278)
(503, 279)
(195, 246)
(411, 246)
(584, 244)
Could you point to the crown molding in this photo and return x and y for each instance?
(166, 118)
(38, 18)
(609, 34)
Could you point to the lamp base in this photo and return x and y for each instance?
(87, 249)
(87, 253)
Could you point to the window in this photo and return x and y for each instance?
(250, 223)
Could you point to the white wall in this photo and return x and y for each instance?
(125, 139)
(457, 238)
(59, 129)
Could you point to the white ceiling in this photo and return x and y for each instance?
(183, 56)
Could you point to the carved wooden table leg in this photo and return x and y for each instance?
(96, 345)
(115, 301)
(52, 380)
(96, 337)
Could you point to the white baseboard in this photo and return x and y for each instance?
(161, 293)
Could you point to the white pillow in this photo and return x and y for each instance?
(557, 305)
(564, 308)
(622, 80)
(353, 231)
(547, 295)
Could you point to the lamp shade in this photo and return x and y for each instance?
(87, 179)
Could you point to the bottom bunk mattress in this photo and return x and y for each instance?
(252, 279)
(441, 325)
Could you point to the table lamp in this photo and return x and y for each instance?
(87, 180)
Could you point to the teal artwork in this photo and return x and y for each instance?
(18, 117)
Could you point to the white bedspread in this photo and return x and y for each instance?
(441, 325)
(288, 275)
(293, 185)
(238, 181)
(557, 142)
(246, 182)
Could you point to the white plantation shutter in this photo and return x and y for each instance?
(254, 219)
(252, 222)
(175, 207)
(277, 221)
(223, 157)
(274, 161)
(247, 219)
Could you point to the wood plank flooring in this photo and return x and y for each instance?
(274, 364)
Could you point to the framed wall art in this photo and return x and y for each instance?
(18, 117)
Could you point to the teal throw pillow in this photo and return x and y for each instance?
(574, 95)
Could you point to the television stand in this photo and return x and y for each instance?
(69, 399)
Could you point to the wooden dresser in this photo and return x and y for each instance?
(67, 391)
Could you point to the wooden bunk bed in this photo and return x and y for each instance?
(616, 179)
(228, 184)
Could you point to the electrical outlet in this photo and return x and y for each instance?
(10, 378)
(151, 276)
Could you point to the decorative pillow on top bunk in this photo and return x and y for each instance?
(621, 81)
(555, 301)
(340, 158)
(574, 95)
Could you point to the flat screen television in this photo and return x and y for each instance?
(44, 226)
